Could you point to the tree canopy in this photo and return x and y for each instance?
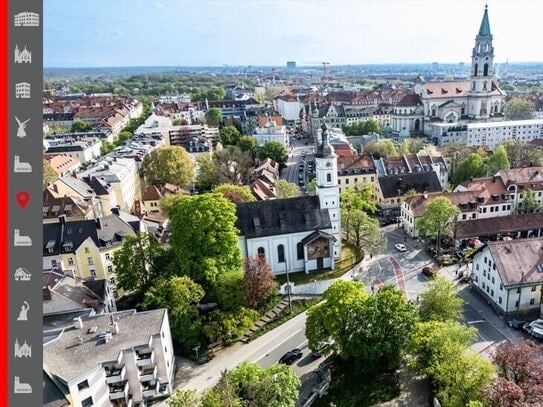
(520, 153)
(411, 145)
(246, 143)
(286, 189)
(519, 109)
(260, 281)
(438, 220)
(213, 117)
(79, 126)
(361, 196)
(498, 161)
(274, 150)
(472, 167)
(440, 302)
(168, 165)
(361, 128)
(204, 236)
(383, 148)
(235, 193)
(529, 203)
(362, 232)
(229, 135)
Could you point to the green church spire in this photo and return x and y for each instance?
(485, 24)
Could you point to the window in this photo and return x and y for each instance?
(500, 300)
(493, 280)
(110, 269)
(93, 273)
(70, 261)
(475, 70)
(112, 280)
(83, 385)
(328, 177)
(87, 402)
(281, 253)
(534, 288)
(492, 293)
(532, 301)
(87, 250)
(300, 251)
(485, 70)
(518, 290)
(107, 256)
(516, 303)
(261, 252)
(501, 287)
(90, 261)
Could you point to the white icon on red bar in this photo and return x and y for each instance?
(22, 90)
(26, 19)
(20, 387)
(21, 130)
(21, 166)
(23, 56)
(22, 274)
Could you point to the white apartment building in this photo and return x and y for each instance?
(84, 149)
(510, 274)
(122, 176)
(289, 107)
(271, 132)
(490, 134)
(120, 359)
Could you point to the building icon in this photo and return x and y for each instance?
(22, 57)
(27, 19)
(22, 351)
(22, 274)
(22, 90)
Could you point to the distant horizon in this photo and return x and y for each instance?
(280, 66)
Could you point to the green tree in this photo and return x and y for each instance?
(79, 126)
(49, 174)
(286, 189)
(235, 193)
(223, 394)
(169, 165)
(362, 232)
(233, 165)
(229, 290)
(106, 147)
(247, 143)
(179, 295)
(498, 161)
(519, 109)
(135, 262)
(122, 137)
(438, 220)
(209, 175)
(371, 329)
(411, 145)
(230, 135)
(312, 186)
(274, 150)
(371, 126)
(204, 236)
(440, 302)
(213, 117)
(184, 398)
(529, 203)
(383, 148)
(359, 197)
(472, 167)
(179, 122)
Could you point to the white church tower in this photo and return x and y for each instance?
(327, 186)
(482, 75)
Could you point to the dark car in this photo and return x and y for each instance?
(516, 323)
(429, 272)
(290, 357)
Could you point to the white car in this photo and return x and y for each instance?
(400, 247)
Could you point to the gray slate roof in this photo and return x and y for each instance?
(421, 182)
(281, 216)
(67, 361)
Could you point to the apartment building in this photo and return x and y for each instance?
(354, 170)
(84, 149)
(87, 246)
(271, 132)
(121, 175)
(62, 164)
(510, 274)
(179, 134)
(490, 134)
(120, 359)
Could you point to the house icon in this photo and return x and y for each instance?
(22, 351)
(22, 274)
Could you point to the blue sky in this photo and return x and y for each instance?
(92, 33)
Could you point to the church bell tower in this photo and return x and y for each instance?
(327, 186)
(482, 77)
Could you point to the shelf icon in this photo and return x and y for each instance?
(26, 19)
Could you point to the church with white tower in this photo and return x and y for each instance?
(301, 233)
(477, 98)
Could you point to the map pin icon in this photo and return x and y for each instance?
(22, 198)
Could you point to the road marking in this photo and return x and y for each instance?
(399, 275)
(476, 322)
(279, 344)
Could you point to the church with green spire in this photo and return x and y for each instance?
(478, 98)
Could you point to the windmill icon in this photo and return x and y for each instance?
(21, 131)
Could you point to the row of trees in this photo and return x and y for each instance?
(246, 385)
(202, 265)
(362, 128)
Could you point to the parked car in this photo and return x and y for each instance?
(429, 272)
(322, 348)
(516, 323)
(534, 328)
(290, 357)
(400, 247)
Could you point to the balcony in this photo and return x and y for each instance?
(147, 374)
(115, 374)
(145, 357)
(118, 391)
(126, 402)
(149, 389)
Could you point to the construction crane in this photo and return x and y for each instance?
(323, 63)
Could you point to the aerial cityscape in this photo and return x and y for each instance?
(222, 232)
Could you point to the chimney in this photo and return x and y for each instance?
(78, 323)
(54, 188)
(62, 219)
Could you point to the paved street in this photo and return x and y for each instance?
(291, 171)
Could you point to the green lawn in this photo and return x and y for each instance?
(342, 266)
(351, 388)
(298, 306)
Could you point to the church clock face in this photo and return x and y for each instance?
(328, 164)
